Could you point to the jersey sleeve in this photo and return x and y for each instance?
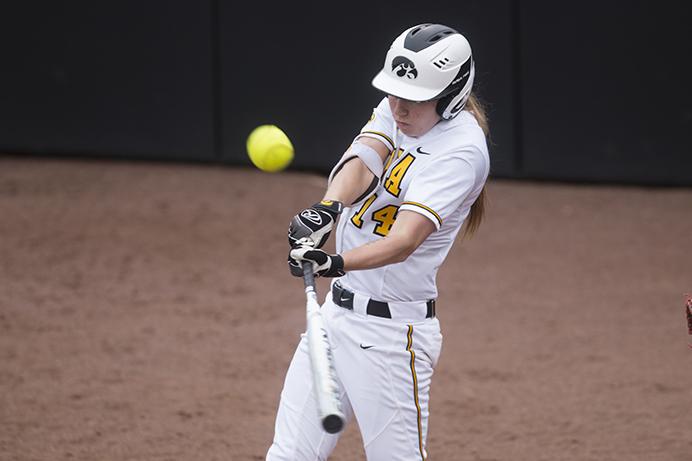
(380, 126)
(441, 187)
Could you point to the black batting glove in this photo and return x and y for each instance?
(323, 264)
(314, 223)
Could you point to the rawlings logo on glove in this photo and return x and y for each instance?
(312, 215)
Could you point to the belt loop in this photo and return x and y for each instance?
(431, 309)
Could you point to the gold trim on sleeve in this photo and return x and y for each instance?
(387, 138)
(426, 208)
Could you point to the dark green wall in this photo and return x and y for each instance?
(584, 91)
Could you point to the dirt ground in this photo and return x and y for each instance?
(146, 313)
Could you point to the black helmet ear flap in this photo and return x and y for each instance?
(449, 106)
(444, 103)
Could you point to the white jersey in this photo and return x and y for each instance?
(439, 175)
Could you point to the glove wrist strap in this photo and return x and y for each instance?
(333, 207)
(337, 268)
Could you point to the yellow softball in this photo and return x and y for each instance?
(269, 148)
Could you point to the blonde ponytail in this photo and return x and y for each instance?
(473, 221)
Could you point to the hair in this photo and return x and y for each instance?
(473, 221)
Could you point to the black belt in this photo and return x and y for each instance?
(344, 298)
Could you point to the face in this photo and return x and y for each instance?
(413, 118)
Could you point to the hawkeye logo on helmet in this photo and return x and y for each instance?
(404, 67)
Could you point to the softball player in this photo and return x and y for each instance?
(404, 188)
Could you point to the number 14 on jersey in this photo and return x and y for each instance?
(385, 216)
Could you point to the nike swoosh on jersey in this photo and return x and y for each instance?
(422, 152)
(365, 347)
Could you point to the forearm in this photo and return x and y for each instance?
(408, 233)
(409, 230)
(350, 183)
(388, 250)
(355, 178)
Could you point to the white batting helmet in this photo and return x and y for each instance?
(426, 62)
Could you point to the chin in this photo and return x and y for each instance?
(409, 131)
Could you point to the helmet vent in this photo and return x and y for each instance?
(441, 63)
(424, 35)
(419, 28)
(440, 35)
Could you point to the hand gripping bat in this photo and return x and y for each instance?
(326, 389)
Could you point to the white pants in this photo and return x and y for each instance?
(384, 368)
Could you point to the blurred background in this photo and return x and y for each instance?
(581, 91)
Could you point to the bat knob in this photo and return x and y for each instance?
(332, 424)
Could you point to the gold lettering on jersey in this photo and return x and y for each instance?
(357, 219)
(385, 218)
(393, 155)
(393, 182)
